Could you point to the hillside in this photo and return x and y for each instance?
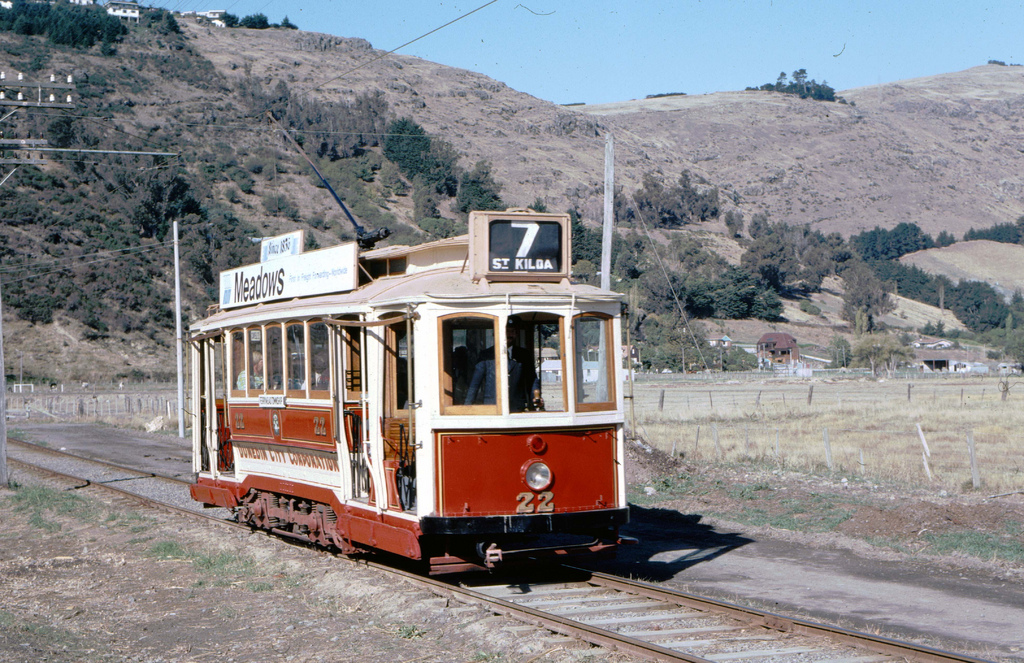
(941, 152)
(1000, 265)
(944, 152)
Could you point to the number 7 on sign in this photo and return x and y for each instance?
(531, 229)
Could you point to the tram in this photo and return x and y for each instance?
(457, 402)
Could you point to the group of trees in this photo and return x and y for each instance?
(77, 26)
(256, 21)
(800, 86)
(432, 165)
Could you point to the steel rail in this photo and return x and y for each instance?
(770, 620)
(576, 629)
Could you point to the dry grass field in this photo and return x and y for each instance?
(871, 427)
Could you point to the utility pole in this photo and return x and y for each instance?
(4, 477)
(609, 214)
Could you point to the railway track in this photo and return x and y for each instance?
(634, 618)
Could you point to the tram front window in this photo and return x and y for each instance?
(529, 375)
(594, 368)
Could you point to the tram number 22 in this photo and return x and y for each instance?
(545, 502)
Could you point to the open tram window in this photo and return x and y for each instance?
(592, 340)
(533, 343)
(295, 350)
(396, 369)
(319, 361)
(238, 363)
(275, 359)
(548, 355)
(467, 341)
(255, 367)
(352, 340)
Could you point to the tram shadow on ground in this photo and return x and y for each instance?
(670, 542)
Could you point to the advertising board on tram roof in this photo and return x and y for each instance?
(306, 274)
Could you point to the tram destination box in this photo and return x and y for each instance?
(519, 245)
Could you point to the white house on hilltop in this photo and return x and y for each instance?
(125, 10)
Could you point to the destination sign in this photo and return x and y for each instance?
(525, 246)
(519, 245)
(304, 275)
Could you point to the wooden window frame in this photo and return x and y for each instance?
(281, 358)
(233, 370)
(444, 357)
(296, 393)
(611, 403)
(318, 394)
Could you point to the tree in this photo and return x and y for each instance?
(407, 144)
(478, 190)
(881, 351)
(841, 352)
(285, 23)
(255, 22)
(734, 223)
(864, 293)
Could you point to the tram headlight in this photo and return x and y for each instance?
(538, 475)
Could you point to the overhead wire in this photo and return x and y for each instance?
(675, 296)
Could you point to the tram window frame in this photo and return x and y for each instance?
(250, 375)
(318, 394)
(269, 357)
(445, 330)
(534, 320)
(237, 356)
(392, 342)
(352, 363)
(609, 364)
(290, 391)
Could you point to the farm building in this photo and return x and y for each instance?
(777, 348)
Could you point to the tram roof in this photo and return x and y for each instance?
(444, 284)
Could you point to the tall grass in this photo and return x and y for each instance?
(771, 420)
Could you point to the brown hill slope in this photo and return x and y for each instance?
(944, 151)
(1000, 265)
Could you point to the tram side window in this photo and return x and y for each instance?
(238, 363)
(397, 366)
(353, 364)
(466, 343)
(255, 366)
(295, 347)
(594, 368)
(275, 359)
(319, 361)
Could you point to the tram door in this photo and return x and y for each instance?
(208, 386)
(352, 410)
(399, 399)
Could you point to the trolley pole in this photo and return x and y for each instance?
(177, 332)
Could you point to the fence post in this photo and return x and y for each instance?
(661, 401)
(908, 391)
(810, 394)
(926, 454)
(718, 447)
(828, 449)
(975, 477)
(696, 441)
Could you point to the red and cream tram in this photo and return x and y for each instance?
(457, 402)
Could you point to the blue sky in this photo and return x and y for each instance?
(597, 51)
